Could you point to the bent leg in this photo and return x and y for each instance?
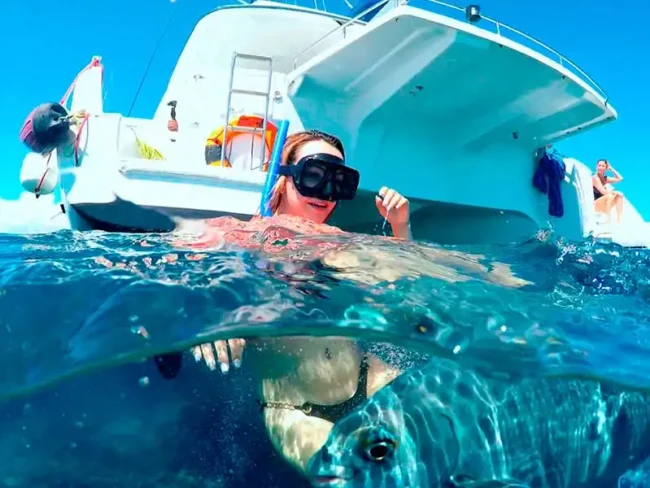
(604, 205)
(618, 202)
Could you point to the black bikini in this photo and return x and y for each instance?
(332, 413)
(170, 364)
(597, 193)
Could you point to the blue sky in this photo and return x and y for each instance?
(45, 45)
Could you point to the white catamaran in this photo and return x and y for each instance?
(437, 100)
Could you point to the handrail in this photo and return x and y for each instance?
(562, 60)
(499, 30)
(354, 20)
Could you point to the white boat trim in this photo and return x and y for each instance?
(210, 176)
(585, 81)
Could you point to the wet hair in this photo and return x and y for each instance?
(603, 161)
(295, 141)
(291, 147)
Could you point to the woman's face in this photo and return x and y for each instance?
(601, 167)
(293, 203)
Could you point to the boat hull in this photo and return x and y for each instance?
(423, 103)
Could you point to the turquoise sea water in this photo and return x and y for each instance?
(82, 316)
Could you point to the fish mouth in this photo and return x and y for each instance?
(327, 480)
(331, 478)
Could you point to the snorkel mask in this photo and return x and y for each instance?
(323, 176)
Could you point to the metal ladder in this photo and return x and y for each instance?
(234, 91)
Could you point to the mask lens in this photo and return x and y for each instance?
(313, 175)
(346, 181)
(326, 177)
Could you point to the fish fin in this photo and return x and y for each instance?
(466, 482)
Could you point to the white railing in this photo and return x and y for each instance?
(500, 29)
(343, 27)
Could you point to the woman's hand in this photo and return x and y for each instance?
(392, 206)
(395, 209)
(206, 352)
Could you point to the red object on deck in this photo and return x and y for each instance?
(172, 125)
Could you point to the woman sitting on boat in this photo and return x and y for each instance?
(306, 384)
(605, 198)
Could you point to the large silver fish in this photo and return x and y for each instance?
(447, 427)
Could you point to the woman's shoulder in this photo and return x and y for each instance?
(300, 225)
(255, 232)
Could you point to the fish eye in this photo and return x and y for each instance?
(379, 450)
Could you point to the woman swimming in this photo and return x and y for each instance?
(313, 178)
(306, 384)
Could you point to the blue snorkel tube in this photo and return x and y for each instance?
(274, 163)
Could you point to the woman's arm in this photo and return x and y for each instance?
(617, 176)
(395, 208)
(403, 231)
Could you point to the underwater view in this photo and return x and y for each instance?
(344, 244)
(511, 365)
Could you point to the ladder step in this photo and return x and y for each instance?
(266, 95)
(253, 57)
(250, 92)
(250, 130)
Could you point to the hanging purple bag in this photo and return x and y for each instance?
(46, 128)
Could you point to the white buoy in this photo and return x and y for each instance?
(37, 176)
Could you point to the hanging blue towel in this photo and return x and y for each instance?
(548, 179)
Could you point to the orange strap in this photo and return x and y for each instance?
(93, 64)
(78, 137)
(37, 190)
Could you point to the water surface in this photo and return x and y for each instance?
(83, 315)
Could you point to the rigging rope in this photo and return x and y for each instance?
(153, 55)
